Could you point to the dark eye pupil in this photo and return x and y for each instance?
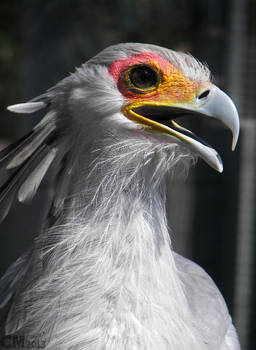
(143, 77)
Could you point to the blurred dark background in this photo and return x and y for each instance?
(211, 215)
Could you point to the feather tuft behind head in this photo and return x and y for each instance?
(27, 108)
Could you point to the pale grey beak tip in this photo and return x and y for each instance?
(235, 138)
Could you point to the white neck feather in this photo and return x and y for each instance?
(110, 281)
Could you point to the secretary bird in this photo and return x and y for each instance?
(102, 273)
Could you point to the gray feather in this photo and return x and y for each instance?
(10, 284)
(27, 150)
(9, 190)
(32, 156)
(6, 202)
(9, 151)
(62, 185)
(50, 117)
(16, 153)
(32, 182)
(28, 107)
(10, 280)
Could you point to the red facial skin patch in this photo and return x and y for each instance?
(173, 87)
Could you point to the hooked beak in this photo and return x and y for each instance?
(160, 117)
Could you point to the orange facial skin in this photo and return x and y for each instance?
(173, 87)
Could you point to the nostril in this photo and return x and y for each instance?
(204, 94)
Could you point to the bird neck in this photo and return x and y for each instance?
(131, 289)
(117, 267)
(110, 277)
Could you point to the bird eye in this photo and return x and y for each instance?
(143, 77)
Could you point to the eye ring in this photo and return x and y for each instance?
(142, 78)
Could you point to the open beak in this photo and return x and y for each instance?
(161, 117)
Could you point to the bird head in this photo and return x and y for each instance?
(130, 97)
(144, 88)
(152, 87)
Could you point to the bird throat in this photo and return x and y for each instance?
(110, 279)
(122, 270)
